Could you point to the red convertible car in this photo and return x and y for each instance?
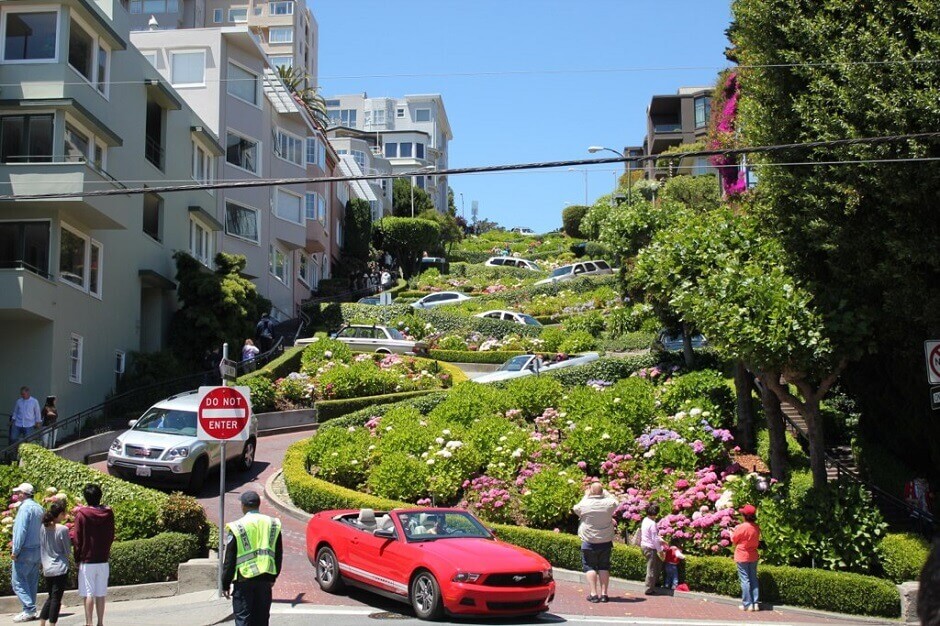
(437, 559)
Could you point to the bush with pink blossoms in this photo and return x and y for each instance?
(492, 499)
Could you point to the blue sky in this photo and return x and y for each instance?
(554, 113)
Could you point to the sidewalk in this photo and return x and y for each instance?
(190, 609)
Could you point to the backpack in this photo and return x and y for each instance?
(264, 328)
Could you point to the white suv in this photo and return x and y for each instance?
(508, 261)
(162, 446)
(576, 270)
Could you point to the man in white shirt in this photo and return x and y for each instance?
(651, 544)
(596, 531)
(26, 416)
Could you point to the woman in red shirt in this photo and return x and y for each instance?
(745, 538)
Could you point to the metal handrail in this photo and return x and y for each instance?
(23, 265)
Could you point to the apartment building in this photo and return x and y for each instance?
(85, 280)
(283, 231)
(676, 119)
(286, 30)
(412, 133)
(361, 148)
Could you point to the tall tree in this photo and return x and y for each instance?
(451, 231)
(357, 233)
(408, 200)
(406, 239)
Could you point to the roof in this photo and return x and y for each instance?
(277, 93)
(349, 167)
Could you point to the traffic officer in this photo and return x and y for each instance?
(253, 554)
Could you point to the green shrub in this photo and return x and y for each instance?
(595, 250)
(294, 391)
(706, 384)
(315, 354)
(400, 477)
(340, 456)
(903, 556)
(549, 495)
(578, 341)
(152, 560)
(468, 401)
(632, 401)
(590, 438)
(551, 337)
(533, 394)
(402, 431)
(184, 514)
(280, 367)
(628, 342)
(331, 409)
(591, 323)
(452, 342)
(571, 218)
(10, 477)
(136, 520)
(796, 457)
(262, 393)
(491, 357)
(361, 379)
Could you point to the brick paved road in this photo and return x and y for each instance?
(296, 584)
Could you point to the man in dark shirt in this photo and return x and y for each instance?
(253, 555)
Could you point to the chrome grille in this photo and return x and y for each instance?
(140, 452)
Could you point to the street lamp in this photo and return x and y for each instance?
(573, 169)
(427, 168)
(593, 149)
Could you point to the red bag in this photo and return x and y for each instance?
(682, 587)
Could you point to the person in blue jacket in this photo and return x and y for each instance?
(26, 553)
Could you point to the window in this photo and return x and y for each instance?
(241, 222)
(703, 109)
(161, 6)
(399, 113)
(80, 260)
(419, 150)
(81, 51)
(25, 138)
(102, 82)
(316, 152)
(188, 69)
(30, 36)
(239, 16)
(25, 245)
(404, 150)
(151, 56)
(242, 152)
(76, 144)
(279, 263)
(217, 16)
(339, 233)
(342, 192)
(136, 7)
(282, 61)
(391, 150)
(343, 117)
(202, 164)
(200, 242)
(153, 134)
(289, 207)
(153, 207)
(315, 206)
(75, 358)
(281, 8)
(288, 147)
(281, 34)
(420, 181)
(94, 269)
(303, 269)
(242, 84)
(422, 115)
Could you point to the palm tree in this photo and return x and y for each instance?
(296, 81)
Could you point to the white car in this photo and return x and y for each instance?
(523, 231)
(529, 364)
(508, 261)
(510, 316)
(440, 298)
(576, 270)
(162, 446)
(369, 338)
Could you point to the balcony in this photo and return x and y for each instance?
(667, 128)
(153, 152)
(26, 293)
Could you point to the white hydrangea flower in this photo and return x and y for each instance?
(517, 453)
(616, 400)
(503, 438)
(695, 412)
(354, 462)
(446, 431)
(439, 441)
(430, 461)
(454, 444)
(605, 436)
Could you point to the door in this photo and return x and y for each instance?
(383, 562)
(351, 337)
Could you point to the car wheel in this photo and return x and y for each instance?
(198, 476)
(328, 576)
(426, 596)
(382, 351)
(247, 457)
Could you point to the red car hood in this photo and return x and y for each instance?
(484, 554)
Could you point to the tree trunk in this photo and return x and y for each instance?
(687, 345)
(777, 431)
(817, 441)
(745, 408)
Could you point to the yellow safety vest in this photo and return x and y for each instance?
(256, 538)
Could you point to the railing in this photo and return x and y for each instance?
(23, 265)
(153, 152)
(667, 128)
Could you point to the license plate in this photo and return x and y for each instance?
(143, 470)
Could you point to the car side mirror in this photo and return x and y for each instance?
(384, 533)
(131, 423)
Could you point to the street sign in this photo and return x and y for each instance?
(223, 413)
(935, 398)
(228, 369)
(932, 352)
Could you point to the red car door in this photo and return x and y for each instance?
(381, 562)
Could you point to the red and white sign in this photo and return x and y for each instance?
(932, 351)
(223, 414)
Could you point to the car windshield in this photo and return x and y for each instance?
(394, 334)
(531, 321)
(561, 271)
(442, 525)
(369, 301)
(168, 422)
(515, 364)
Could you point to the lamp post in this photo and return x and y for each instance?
(573, 169)
(593, 149)
(428, 168)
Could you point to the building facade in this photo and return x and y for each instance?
(676, 119)
(86, 280)
(412, 133)
(366, 160)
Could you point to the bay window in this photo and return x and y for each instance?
(88, 56)
(242, 84)
(279, 263)
(30, 35)
(26, 138)
(288, 147)
(241, 221)
(242, 152)
(288, 207)
(80, 260)
(25, 245)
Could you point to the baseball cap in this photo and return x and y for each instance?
(748, 509)
(24, 488)
(250, 498)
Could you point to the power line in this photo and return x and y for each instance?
(261, 182)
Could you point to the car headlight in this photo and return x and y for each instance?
(547, 575)
(116, 446)
(465, 577)
(180, 452)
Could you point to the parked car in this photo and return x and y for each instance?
(529, 364)
(372, 338)
(576, 270)
(440, 299)
(436, 262)
(372, 300)
(510, 316)
(669, 342)
(508, 261)
(523, 231)
(162, 447)
(438, 560)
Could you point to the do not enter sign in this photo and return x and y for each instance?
(223, 413)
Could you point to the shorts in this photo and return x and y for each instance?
(93, 579)
(596, 558)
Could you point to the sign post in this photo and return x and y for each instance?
(935, 398)
(223, 415)
(932, 352)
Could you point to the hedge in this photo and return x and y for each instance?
(903, 556)
(494, 357)
(423, 402)
(819, 589)
(332, 409)
(280, 367)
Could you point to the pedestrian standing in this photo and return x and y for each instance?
(746, 537)
(264, 332)
(92, 536)
(26, 416)
(49, 415)
(249, 352)
(596, 531)
(253, 555)
(651, 544)
(671, 557)
(26, 551)
(55, 547)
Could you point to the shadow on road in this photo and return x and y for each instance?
(233, 479)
